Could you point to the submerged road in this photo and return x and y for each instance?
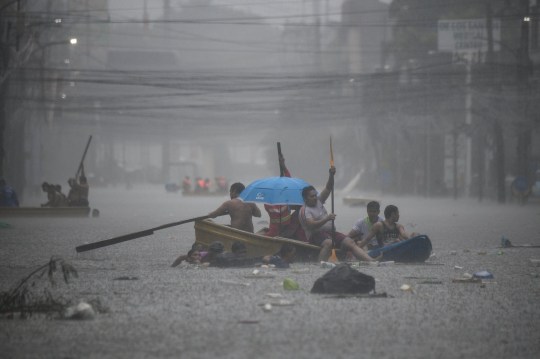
(189, 312)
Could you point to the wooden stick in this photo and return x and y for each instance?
(83, 157)
(130, 236)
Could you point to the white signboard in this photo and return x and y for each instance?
(466, 36)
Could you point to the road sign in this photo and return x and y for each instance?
(466, 36)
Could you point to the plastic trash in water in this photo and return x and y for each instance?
(327, 264)
(483, 275)
(406, 288)
(386, 263)
(290, 284)
(505, 242)
(81, 311)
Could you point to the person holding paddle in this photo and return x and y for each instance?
(78, 192)
(318, 224)
(241, 212)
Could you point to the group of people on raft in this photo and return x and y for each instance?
(312, 223)
(76, 197)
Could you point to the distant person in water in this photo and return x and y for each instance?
(283, 258)
(185, 257)
(8, 196)
(241, 213)
(186, 185)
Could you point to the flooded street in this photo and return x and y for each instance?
(189, 312)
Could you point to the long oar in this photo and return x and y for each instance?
(332, 192)
(83, 157)
(130, 236)
(281, 170)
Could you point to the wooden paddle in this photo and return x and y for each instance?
(83, 157)
(332, 192)
(130, 236)
(281, 169)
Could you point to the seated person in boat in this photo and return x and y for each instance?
(282, 222)
(8, 196)
(78, 192)
(388, 231)
(363, 226)
(283, 258)
(241, 213)
(55, 198)
(318, 224)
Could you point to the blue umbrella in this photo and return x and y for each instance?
(275, 190)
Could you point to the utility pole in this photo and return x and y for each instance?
(523, 72)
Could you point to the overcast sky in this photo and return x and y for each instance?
(122, 9)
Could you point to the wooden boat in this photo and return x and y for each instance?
(356, 201)
(416, 249)
(44, 212)
(208, 231)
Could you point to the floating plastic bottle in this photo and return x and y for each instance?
(483, 275)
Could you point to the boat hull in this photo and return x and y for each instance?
(416, 249)
(44, 212)
(207, 231)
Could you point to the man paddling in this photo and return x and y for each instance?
(241, 213)
(317, 223)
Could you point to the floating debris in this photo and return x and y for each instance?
(126, 278)
(231, 282)
(431, 282)
(467, 280)
(372, 295)
(278, 303)
(248, 321)
(406, 288)
(290, 284)
(483, 275)
(274, 295)
(267, 307)
(81, 311)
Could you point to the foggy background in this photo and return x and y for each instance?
(206, 88)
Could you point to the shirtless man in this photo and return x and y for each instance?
(387, 231)
(239, 211)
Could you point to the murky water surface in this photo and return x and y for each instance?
(187, 312)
